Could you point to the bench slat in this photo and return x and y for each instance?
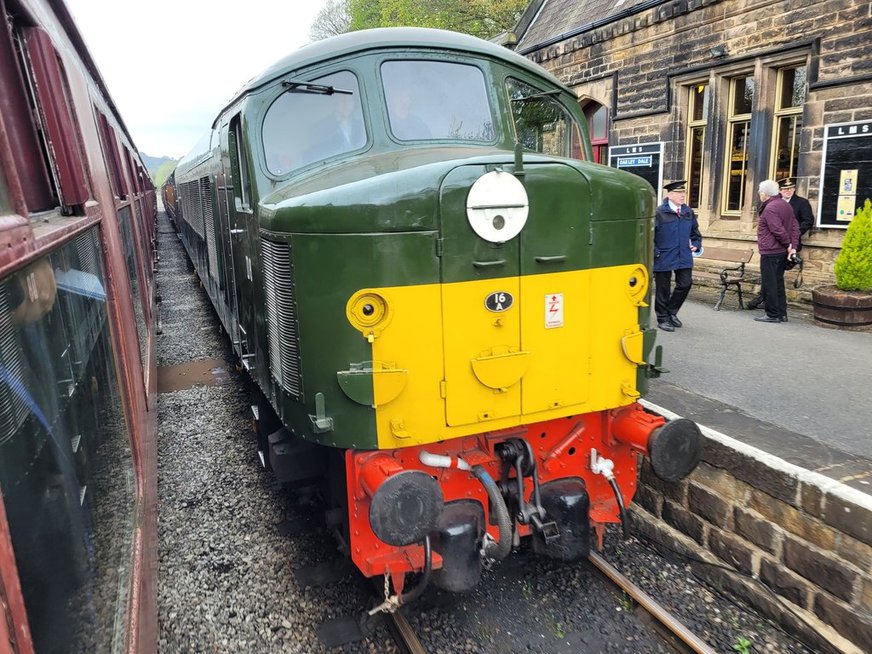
(727, 254)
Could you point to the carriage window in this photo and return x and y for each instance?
(312, 121)
(66, 471)
(436, 100)
(542, 124)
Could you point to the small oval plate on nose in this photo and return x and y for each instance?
(498, 301)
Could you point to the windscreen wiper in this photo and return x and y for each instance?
(300, 86)
(552, 93)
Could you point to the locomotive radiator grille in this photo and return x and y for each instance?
(209, 225)
(282, 330)
(192, 206)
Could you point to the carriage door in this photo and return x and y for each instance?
(484, 361)
(241, 224)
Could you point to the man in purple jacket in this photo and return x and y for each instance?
(777, 238)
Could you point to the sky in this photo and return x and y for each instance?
(171, 65)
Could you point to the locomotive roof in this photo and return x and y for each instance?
(399, 38)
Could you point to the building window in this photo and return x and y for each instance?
(738, 132)
(697, 118)
(788, 120)
(598, 126)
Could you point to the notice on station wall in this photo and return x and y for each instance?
(644, 160)
(847, 195)
(846, 172)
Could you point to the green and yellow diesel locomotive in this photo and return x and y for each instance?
(442, 302)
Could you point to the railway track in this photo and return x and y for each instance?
(403, 633)
(678, 635)
(688, 641)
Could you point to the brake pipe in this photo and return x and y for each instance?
(441, 461)
(497, 550)
(601, 466)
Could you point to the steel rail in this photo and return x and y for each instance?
(400, 629)
(404, 634)
(649, 604)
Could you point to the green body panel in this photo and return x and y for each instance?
(336, 266)
(558, 225)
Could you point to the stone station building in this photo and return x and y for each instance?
(725, 94)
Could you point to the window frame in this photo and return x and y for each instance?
(239, 166)
(692, 127)
(779, 113)
(600, 146)
(734, 120)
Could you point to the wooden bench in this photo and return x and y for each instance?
(731, 277)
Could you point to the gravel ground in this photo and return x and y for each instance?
(229, 544)
(226, 564)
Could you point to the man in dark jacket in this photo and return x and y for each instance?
(801, 207)
(777, 237)
(676, 238)
(804, 217)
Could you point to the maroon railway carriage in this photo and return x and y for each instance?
(77, 365)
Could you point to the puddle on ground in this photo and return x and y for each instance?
(205, 372)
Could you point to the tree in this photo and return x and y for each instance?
(332, 20)
(482, 18)
(853, 266)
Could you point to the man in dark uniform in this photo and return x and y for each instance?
(804, 217)
(801, 207)
(676, 238)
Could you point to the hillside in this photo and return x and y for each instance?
(158, 168)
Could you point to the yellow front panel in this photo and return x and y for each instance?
(483, 361)
(411, 341)
(578, 367)
(556, 323)
(615, 314)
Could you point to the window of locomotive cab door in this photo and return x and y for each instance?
(239, 167)
(541, 123)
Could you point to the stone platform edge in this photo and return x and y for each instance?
(794, 544)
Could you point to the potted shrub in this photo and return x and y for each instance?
(848, 304)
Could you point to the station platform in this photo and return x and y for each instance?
(795, 390)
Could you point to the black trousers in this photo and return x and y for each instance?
(772, 281)
(667, 301)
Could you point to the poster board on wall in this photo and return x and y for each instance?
(644, 160)
(846, 172)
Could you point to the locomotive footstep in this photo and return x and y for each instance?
(321, 574)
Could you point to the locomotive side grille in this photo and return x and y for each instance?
(192, 205)
(209, 224)
(282, 330)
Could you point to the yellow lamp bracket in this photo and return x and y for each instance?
(369, 313)
(637, 286)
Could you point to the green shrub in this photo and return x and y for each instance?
(853, 266)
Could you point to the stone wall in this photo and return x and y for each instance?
(795, 545)
(636, 67)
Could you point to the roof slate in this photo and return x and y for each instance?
(558, 17)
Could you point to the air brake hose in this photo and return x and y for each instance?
(497, 550)
(625, 519)
(602, 466)
(405, 598)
